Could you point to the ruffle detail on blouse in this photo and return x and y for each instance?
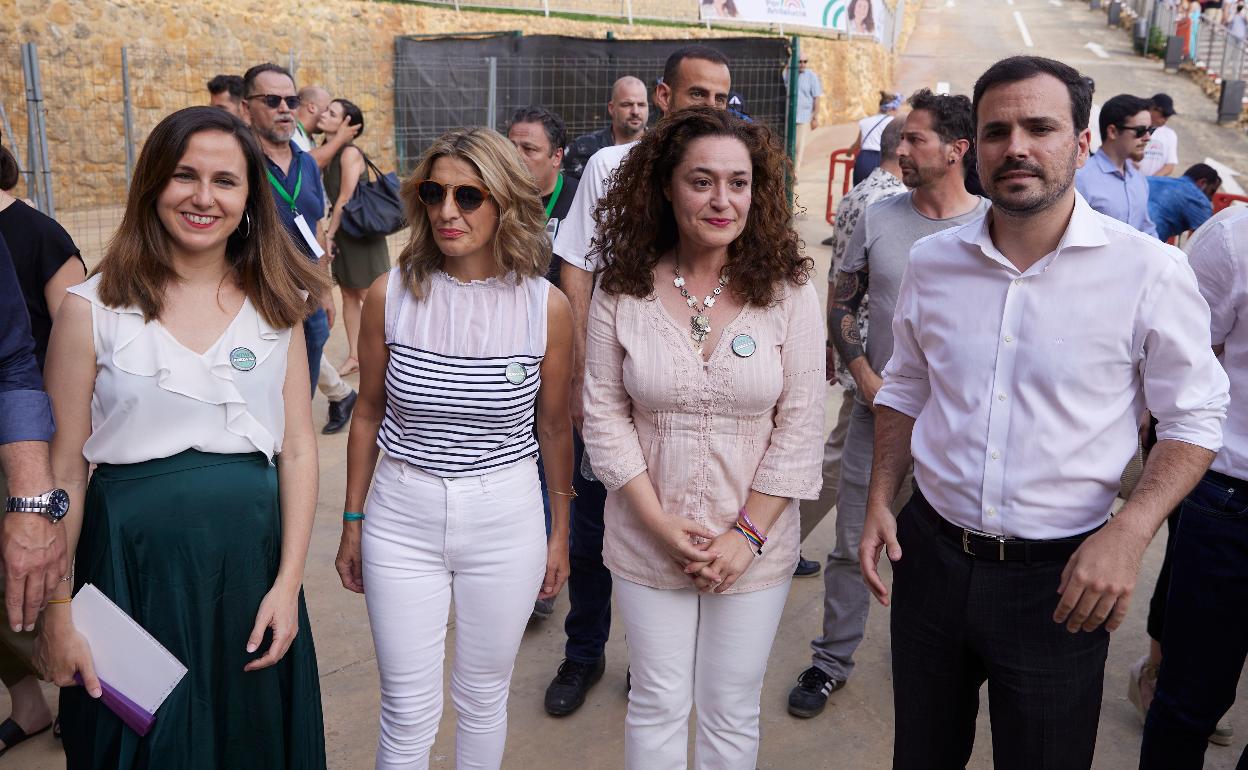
(148, 350)
(509, 280)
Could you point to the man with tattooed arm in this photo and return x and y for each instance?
(935, 147)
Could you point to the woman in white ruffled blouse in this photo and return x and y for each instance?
(168, 369)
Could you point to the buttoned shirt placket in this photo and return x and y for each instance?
(994, 507)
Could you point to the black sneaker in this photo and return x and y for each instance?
(812, 691)
(567, 690)
(340, 413)
(807, 567)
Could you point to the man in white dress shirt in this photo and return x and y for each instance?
(1023, 359)
(1205, 636)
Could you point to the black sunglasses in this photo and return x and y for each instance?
(272, 100)
(1140, 131)
(467, 197)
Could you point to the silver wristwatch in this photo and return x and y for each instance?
(51, 505)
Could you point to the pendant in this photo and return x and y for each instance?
(700, 324)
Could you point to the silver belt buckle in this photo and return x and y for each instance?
(966, 542)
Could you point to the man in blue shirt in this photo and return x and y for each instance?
(809, 89)
(1183, 203)
(295, 179)
(1110, 181)
(31, 546)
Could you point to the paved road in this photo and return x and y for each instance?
(955, 41)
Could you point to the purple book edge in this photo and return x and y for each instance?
(135, 716)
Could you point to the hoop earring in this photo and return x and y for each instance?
(247, 220)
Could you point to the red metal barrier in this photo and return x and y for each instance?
(844, 158)
(1222, 200)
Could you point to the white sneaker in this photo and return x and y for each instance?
(1142, 685)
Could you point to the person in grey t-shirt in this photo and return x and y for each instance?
(933, 154)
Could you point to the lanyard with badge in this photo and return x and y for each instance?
(300, 222)
(552, 227)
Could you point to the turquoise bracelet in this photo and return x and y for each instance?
(352, 516)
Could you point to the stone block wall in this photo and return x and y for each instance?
(345, 45)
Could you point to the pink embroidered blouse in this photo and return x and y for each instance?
(707, 432)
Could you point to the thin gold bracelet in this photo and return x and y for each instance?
(60, 601)
(571, 494)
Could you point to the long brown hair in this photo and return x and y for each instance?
(520, 242)
(636, 225)
(280, 281)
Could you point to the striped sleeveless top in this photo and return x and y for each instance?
(464, 371)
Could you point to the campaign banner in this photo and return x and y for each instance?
(855, 17)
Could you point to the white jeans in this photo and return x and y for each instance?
(480, 540)
(708, 651)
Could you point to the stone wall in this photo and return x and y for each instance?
(347, 45)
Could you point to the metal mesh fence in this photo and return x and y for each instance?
(100, 105)
(477, 93)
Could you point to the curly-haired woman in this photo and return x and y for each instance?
(704, 419)
(463, 347)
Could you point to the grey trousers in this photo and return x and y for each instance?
(845, 597)
(813, 511)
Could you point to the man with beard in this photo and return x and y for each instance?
(935, 145)
(1023, 357)
(1110, 181)
(629, 110)
(270, 105)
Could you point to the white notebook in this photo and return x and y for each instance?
(125, 655)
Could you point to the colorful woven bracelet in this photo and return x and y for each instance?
(745, 522)
(755, 544)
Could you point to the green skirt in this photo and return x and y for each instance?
(188, 546)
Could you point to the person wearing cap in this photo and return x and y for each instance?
(1180, 204)
(1161, 156)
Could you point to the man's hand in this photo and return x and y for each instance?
(879, 531)
(829, 363)
(814, 123)
(869, 383)
(327, 302)
(1099, 579)
(34, 555)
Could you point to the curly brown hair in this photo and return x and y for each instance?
(636, 225)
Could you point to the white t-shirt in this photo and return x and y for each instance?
(1162, 149)
(301, 139)
(872, 128)
(576, 232)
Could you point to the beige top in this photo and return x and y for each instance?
(707, 432)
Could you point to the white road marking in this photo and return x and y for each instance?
(1055, 3)
(1097, 49)
(1022, 28)
(1009, 2)
(942, 87)
(1228, 174)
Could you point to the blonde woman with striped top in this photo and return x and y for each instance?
(465, 348)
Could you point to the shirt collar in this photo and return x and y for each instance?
(1107, 166)
(1083, 231)
(295, 160)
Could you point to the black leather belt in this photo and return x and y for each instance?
(984, 545)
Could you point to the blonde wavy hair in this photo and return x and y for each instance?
(520, 243)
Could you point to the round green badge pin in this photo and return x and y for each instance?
(242, 359)
(516, 373)
(743, 345)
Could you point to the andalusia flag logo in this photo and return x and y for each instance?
(834, 14)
